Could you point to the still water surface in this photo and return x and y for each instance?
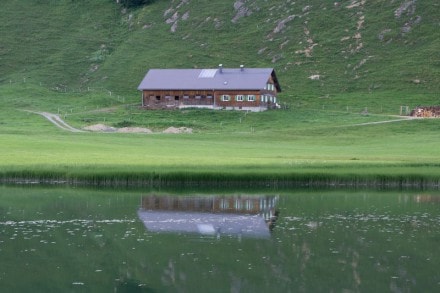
(79, 240)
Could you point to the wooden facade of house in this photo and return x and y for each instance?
(252, 89)
(250, 205)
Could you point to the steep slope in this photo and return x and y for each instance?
(55, 43)
(319, 49)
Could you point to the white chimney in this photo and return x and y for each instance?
(241, 67)
(220, 68)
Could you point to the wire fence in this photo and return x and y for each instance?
(60, 88)
(114, 98)
(110, 97)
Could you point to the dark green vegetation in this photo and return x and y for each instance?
(84, 59)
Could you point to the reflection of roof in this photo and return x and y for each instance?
(204, 223)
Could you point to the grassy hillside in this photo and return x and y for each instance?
(371, 47)
(84, 60)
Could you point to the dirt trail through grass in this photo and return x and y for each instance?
(382, 122)
(57, 121)
(60, 123)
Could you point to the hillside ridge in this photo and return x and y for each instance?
(319, 49)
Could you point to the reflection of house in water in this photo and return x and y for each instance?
(427, 198)
(210, 215)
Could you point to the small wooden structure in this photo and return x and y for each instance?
(251, 89)
(429, 111)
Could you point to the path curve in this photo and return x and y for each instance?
(57, 121)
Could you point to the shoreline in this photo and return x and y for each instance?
(275, 182)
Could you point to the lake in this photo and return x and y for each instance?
(57, 239)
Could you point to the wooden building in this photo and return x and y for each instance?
(251, 89)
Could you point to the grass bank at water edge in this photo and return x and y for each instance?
(392, 177)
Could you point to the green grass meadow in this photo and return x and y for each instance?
(293, 146)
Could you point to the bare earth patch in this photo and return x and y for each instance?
(100, 128)
(134, 130)
(106, 128)
(177, 130)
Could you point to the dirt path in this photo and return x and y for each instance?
(382, 122)
(60, 123)
(57, 121)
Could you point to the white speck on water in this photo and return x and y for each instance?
(78, 283)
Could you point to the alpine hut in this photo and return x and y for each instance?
(251, 89)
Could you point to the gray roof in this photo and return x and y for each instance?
(208, 79)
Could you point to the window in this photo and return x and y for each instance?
(157, 98)
(209, 97)
(186, 97)
(226, 98)
(251, 98)
(224, 204)
(239, 98)
(270, 87)
(249, 205)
